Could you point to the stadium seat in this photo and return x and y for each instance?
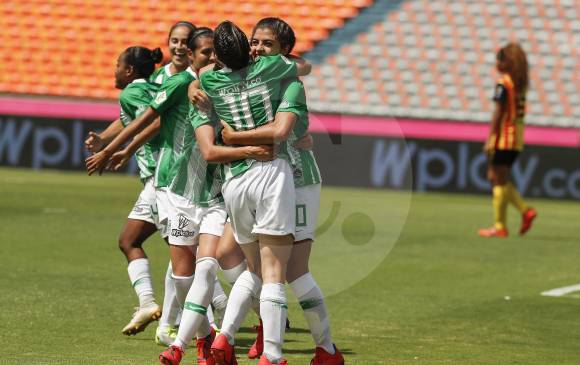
(450, 49)
(86, 36)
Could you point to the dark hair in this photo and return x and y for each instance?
(143, 59)
(198, 33)
(182, 23)
(282, 31)
(517, 65)
(231, 45)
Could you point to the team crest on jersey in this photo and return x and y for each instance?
(161, 97)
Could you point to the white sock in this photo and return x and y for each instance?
(141, 280)
(182, 286)
(211, 317)
(197, 301)
(273, 311)
(170, 305)
(247, 286)
(219, 303)
(234, 273)
(219, 300)
(312, 302)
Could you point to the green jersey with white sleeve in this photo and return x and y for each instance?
(303, 163)
(134, 100)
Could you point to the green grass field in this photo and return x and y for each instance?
(441, 296)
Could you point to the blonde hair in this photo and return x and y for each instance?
(515, 60)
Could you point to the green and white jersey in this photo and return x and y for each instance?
(161, 74)
(134, 100)
(195, 179)
(246, 99)
(172, 104)
(303, 163)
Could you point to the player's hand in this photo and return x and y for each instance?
(118, 160)
(94, 143)
(97, 162)
(199, 99)
(305, 143)
(263, 152)
(227, 133)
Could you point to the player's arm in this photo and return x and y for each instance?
(211, 152)
(277, 131)
(96, 141)
(499, 111)
(98, 162)
(198, 97)
(303, 67)
(120, 158)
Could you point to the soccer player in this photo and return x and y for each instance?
(506, 141)
(272, 36)
(178, 50)
(188, 197)
(259, 196)
(134, 66)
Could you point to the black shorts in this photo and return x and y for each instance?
(504, 157)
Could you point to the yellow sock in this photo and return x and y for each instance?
(499, 206)
(515, 198)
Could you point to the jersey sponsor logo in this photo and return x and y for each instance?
(239, 87)
(160, 97)
(181, 231)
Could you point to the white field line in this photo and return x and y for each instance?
(560, 292)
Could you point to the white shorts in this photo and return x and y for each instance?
(182, 221)
(307, 206)
(145, 208)
(261, 201)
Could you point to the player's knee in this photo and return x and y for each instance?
(126, 244)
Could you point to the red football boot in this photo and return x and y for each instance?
(258, 346)
(321, 357)
(527, 219)
(204, 356)
(171, 356)
(222, 352)
(264, 361)
(492, 232)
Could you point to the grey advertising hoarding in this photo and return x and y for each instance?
(345, 160)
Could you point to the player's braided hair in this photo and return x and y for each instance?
(196, 34)
(182, 23)
(516, 63)
(231, 46)
(143, 60)
(282, 31)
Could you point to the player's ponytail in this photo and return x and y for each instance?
(143, 60)
(516, 63)
(231, 46)
(157, 55)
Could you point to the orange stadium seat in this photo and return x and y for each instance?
(78, 40)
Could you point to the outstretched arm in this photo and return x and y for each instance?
(96, 141)
(270, 133)
(120, 158)
(97, 162)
